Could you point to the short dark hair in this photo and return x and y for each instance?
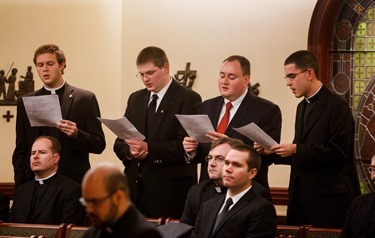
(226, 140)
(55, 144)
(245, 63)
(153, 55)
(253, 159)
(116, 181)
(52, 49)
(303, 60)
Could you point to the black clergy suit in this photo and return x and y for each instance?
(131, 224)
(159, 183)
(251, 216)
(204, 191)
(58, 204)
(360, 219)
(77, 105)
(262, 112)
(323, 177)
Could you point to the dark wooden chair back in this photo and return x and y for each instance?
(312, 232)
(28, 230)
(290, 231)
(73, 231)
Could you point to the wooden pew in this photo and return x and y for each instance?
(312, 232)
(290, 231)
(73, 231)
(28, 230)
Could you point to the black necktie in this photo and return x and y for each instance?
(151, 112)
(222, 214)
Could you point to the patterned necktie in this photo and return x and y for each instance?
(225, 120)
(222, 214)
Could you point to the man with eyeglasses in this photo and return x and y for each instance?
(214, 187)
(360, 219)
(105, 194)
(236, 107)
(51, 198)
(159, 177)
(323, 179)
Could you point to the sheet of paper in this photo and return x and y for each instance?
(255, 133)
(123, 128)
(43, 110)
(197, 126)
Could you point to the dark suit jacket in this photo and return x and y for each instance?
(252, 109)
(166, 177)
(59, 203)
(131, 224)
(204, 191)
(77, 105)
(358, 217)
(4, 208)
(323, 166)
(251, 216)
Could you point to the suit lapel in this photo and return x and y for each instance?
(243, 202)
(241, 113)
(214, 114)
(212, 218)
(67, 100)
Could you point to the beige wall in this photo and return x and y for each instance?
(101, 39)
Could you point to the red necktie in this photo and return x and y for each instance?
(225, 120)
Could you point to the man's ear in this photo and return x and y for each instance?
(252, 173)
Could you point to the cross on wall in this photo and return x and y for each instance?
(8, 116)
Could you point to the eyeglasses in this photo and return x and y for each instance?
(148, 74)
(371, 169)
(218, 159)
(293, 75)
(96, 202)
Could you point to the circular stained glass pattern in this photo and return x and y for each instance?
(365, 133)
(343, 30)
(341, 83)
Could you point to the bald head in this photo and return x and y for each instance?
(105, 193)
(109, 175)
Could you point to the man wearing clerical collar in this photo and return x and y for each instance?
(52, 198)
(79, 132)
(323, 178)
(214, 187)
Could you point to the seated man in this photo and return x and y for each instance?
(4, 208)
(241, 212)
(213, 187)
(360, 219)
(105, 193)
(51, 198)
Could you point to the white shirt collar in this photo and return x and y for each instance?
(41, 180)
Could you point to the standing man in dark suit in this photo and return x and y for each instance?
(105, 193)
(241, 212)
(214, 187)
(79, 132)
(360, 219)
(245, 108)
(159, 177)
(51, 198)
(323, 179)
